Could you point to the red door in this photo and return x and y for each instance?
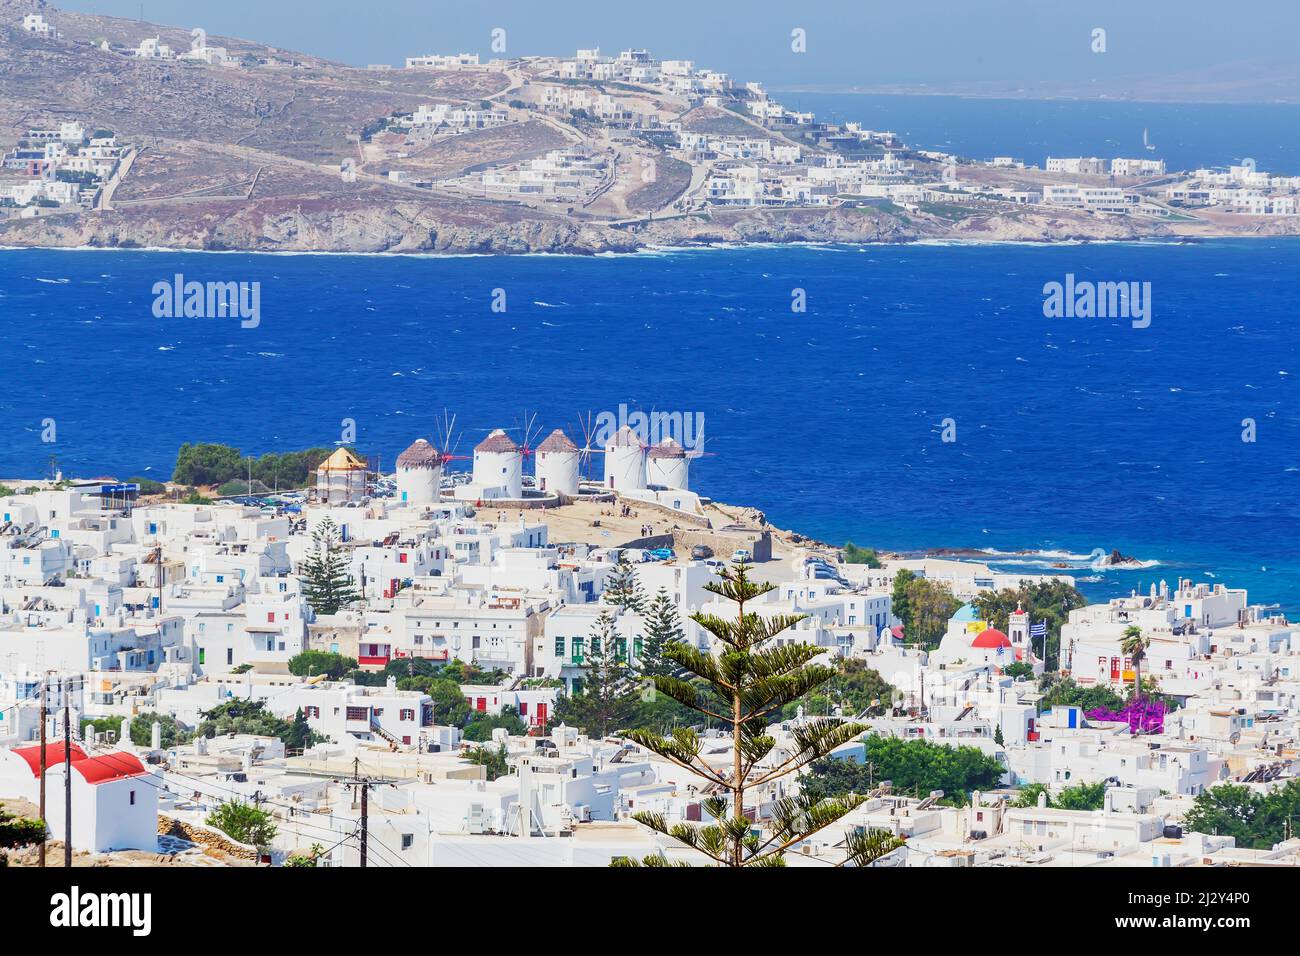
(482, 703)
(541, 714)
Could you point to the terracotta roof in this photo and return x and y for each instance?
(991, 638)
(667, 449)
(54, 753)
(420, 455)
(557, 441)
(498, 441)
(624, 437)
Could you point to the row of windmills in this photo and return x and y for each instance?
(498, 468)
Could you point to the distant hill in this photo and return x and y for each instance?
(282, 150)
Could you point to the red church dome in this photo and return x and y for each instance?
(991, 638)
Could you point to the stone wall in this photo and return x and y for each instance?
(204, 835)
(724, 542)
(672, 514)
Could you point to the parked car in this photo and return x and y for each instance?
(661, 554)
(700, 552)
(741, 556)
(715, 564)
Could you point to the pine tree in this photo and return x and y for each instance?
(744, 686)
(300, 735)
(327, 583)
(622, 588)
(608, 694)
(663, 626)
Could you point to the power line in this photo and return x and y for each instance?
(387, 855)
(113, 758)
(235, 793)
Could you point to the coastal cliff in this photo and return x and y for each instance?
(279, 151)
(360, 226)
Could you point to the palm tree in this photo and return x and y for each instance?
(1134, 645)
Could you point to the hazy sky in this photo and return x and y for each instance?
(849, 42)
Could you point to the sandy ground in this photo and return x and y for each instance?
(601, 525)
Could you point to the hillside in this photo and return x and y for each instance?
(280, 150)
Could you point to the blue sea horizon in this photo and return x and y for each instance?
(1073, 436)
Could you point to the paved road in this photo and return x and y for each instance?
(110, 187)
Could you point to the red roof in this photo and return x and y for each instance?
(991, 638)
(54, 754)
(109, 767)
(114, 766)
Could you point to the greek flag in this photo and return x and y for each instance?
(1038, 630)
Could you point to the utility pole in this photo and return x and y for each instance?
(365, 813)
(44, 683)
(362, 784)
(67, 776)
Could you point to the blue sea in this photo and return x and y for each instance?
(1071, 434)
(1185, 135)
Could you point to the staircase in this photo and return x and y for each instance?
(383, 734)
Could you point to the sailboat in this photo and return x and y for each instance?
(1146, 142)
